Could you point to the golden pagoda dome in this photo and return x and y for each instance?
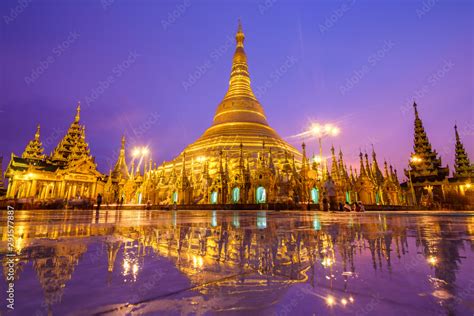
(240, 117)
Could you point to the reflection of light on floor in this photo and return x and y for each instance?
(214, 219)
(327, 262)
(432, 260)
(130, 262)
(330, 301)
(236, 220)
(198, 262)
(261, 220)
(316, 223)
(126, 267)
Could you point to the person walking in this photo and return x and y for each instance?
(325, 203)
(99, 201)
(331, 192)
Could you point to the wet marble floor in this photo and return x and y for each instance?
(231, 262)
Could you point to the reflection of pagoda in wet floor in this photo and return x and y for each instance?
(251, 249)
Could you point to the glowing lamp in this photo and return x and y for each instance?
(136, 152)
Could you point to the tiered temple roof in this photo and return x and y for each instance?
(120, 170)
(429, 166)
(462, 165)
(34, 149)
(73, 146)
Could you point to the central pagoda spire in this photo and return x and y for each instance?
(239, 117)
(239, 83)
(239, 103)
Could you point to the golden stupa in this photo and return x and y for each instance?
(240, 118)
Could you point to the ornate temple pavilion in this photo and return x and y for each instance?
(68, 173)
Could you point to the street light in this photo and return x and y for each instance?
(141, 152)
(136, 152)
(415, 160)
(321, 131)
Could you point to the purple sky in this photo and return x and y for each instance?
(359, 64)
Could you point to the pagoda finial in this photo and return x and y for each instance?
(239, 83)
(240, 36)
(123, 142)
(362, 168)
(305, 159)
(78, 112)
(37, 134)
(415, 108)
